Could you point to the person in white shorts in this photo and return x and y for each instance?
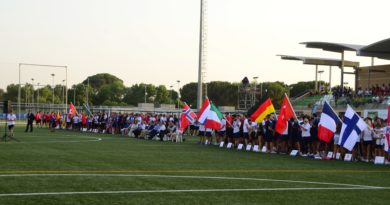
(11, 119)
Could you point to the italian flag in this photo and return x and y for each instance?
(210, 116)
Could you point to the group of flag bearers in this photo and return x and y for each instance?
(326, 137)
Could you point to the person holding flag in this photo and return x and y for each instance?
(387, 139)
(187, 117)
(282, 124)
(210, 117)
(72, 109)
(352, 126)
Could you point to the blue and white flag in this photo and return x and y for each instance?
(353, 125)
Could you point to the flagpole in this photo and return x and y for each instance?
(369, 127)
(290, 105)
(223, 116)
(334, 111)
(227, 121)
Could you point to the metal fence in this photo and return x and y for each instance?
(25, 108)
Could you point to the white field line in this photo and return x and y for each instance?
(61, 140)
(183, 190)
(192, 177)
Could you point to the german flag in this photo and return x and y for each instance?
(264, 109)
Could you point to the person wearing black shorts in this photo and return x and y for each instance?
(229, 128)
(283, 139)
(30, 121)
(295, 136)
(306, 138)
(317, 146)
(270, 133)
(245, 130)
(236, 130)
(201, 134)
(221, 133)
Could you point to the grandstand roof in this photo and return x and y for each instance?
(320, 61)
(380, 49)
(333, 47)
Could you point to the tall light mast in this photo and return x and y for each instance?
(202, 48)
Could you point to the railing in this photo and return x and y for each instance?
(24, 108)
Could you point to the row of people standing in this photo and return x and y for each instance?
(301, 134)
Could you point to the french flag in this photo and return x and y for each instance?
(328, 123)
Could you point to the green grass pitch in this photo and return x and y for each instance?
(68, 167)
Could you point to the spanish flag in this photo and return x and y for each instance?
(265, 109)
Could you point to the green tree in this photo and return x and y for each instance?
(12, 93)
(136, 94)
(300, 88)
(188, 94)
(99, 80)
(222, 93)
(113, 92)
(162, 95)
(275, 91)
(1, 94)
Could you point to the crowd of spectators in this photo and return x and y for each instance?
(143, 126)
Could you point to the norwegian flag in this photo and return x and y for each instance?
(187, 117)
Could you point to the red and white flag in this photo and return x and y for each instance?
(72, 109)
(187, 117)
(286, 113)
(210, 116)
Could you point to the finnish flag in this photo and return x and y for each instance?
(353, 125)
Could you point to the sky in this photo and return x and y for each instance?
(157, 41)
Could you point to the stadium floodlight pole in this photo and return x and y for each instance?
(32, 94)
(38, 93)
(261, 90)
(25, 89)
(66, 86)
(178, 93)
(170, 93)
(52, 75)
(19, 92)
(255, 79)
(200, 80)
(145, 93)
(87, 91)
(63, 92)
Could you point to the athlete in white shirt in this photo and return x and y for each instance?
(11, 118)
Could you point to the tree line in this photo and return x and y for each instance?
(108, 90)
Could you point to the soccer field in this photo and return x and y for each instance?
(67, 167)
